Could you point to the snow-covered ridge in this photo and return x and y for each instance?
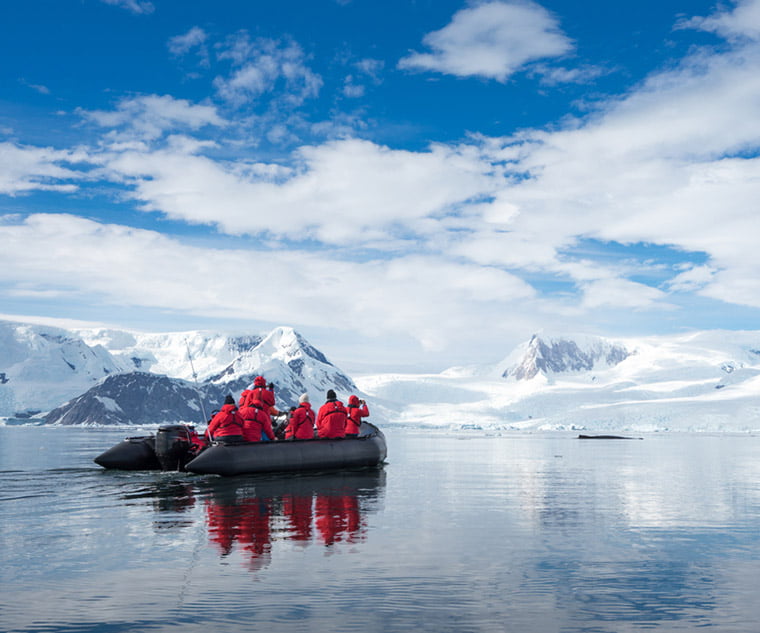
(174, 354)
(41, 367)
(704, 381)
(562, 354)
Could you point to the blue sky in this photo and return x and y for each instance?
(411, 184)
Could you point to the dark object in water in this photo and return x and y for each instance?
(132, 453)
(366, 450)
(607, 437)
(170, 449)
(173, 446)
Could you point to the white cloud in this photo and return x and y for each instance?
(371, 67)
(351, 89)
(492, 40)
(261, 65)
(693, 278)
(354, 85)
(550, 76)
(193, 40)
(24, 169)
(435, 301)
(43, 90)
(134, 6)
(620, 293)
(342, 190)
(672, 163)
(741, 22)
(463, 229)
(183, 44)
(148, 117)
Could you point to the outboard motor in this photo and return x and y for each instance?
(173, 446)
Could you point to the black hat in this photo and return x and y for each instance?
(331, 394)
(229, 399)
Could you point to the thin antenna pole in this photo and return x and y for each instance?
(195, 379)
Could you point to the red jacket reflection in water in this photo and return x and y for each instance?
(223, 522)
(247, 523)
(338, 518)
(297, 510)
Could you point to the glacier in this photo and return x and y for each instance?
(698, 382)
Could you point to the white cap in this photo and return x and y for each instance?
(304, 398)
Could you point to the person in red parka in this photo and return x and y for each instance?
(227, 425)
(357, 409)
(260, 392)
(301, 424)
(256, 423)
(331, 419)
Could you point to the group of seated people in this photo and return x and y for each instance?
(250, 420)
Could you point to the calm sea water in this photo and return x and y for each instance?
(458, 532)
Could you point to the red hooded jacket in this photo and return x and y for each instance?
(355, 415)
(226, 422)
(331, 419)
(256, 423)
(301, 425)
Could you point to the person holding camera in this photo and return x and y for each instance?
(357, 409)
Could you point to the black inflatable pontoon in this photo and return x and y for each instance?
(367, 450)
(171, 449)
(132, 453)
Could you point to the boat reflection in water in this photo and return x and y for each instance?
(325, 509)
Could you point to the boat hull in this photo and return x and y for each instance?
(367, 450)
(132, 453)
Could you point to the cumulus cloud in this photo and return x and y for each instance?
(672, 163)
(741, 22)
(492, 40)
(342, 190)
(24, 169)
(463, 235)
(148, 117)
(435, 300)
(666, 164)
(262, 64)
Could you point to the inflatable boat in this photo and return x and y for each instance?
(368, 449)
(178, 447)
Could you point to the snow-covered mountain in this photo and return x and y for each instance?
(706, 381)
(140, 398)
(175, 354)
(561, 355)
(285, 358)
(41, 368)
